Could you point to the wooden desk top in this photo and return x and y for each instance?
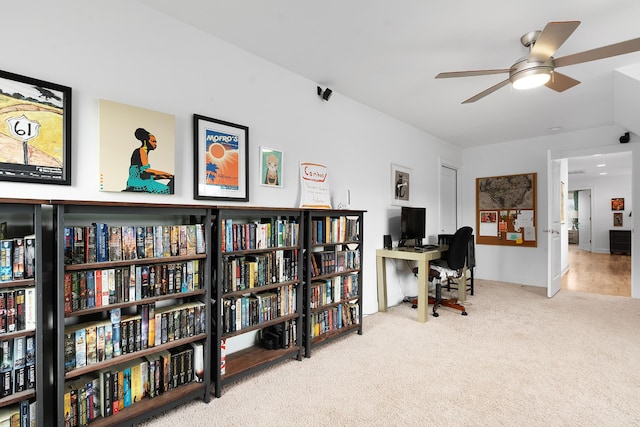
(411, 253)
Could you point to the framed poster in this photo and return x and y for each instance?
(270, 167)
(617, 219)
(137, 149)
(221, 161)
(400, 185)
(617, 204)
(35, 130)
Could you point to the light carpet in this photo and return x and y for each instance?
(518, 359)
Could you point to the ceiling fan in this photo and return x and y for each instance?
(538, 68)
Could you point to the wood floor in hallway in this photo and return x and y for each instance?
(598, 273)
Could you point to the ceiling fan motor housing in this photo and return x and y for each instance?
(524, 68)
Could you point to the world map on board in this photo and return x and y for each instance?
(506, 192)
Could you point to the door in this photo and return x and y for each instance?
(554, 270)
(448, 200)
(584, 220)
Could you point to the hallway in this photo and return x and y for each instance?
(598, 273)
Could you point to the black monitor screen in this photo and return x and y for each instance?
(412, 223)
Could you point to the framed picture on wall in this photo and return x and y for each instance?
(137, 149)
(400, 185)
(35, 123)
(270, 167)
(617, 204)
(617, 219)
(221, 161)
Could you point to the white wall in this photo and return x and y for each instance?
(529, 265)
(124, 52)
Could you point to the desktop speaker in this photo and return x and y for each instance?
(387, 241)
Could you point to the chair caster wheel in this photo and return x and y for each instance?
(436, 314)
(464, 313)
(414, 305)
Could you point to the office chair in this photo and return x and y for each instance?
(451, 267)
(445, 239)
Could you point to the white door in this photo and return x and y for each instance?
(554, 269)
(448, 200)
(584, 220)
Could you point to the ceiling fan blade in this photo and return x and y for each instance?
(599, 53)
(560, 82)
(551, 38)
(487, 92)
(470, 73)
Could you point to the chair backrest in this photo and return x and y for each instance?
(471, 253)
(458, 248)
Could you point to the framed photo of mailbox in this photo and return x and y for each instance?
(221, 161)
(35, 130)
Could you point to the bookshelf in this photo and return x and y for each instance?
(333, 275)
(140, 271)
(257, 292)
(23, 378)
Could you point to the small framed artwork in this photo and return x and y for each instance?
(400, 185)
(221, 161)
(617, 204)
(617, 219)
(270, 167)
(35, 121)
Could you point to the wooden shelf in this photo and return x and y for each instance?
(247, 360)
(152, 406)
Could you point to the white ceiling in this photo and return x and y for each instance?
(385, 54)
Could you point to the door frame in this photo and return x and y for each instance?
(442, 162)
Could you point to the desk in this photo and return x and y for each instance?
(423, 259)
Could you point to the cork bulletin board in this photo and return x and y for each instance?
(506, 210)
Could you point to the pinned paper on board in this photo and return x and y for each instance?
(514, 237)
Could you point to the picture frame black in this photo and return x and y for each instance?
(35, 127)
(220, 160)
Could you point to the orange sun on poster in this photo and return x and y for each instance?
(226, 162)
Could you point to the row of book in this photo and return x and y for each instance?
(101, 242)
(95, 288)
(329, 262)
(251, 271)
(336, 289)
(21, 414)
(17, 258)
(263, 234)
(118, 387)
(334, 318)
(94, 342)
(17, 365)
(257, 308)
(17, 309)
(335, 230)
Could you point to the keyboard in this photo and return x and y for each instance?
(425, 248)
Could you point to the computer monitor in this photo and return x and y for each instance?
(412, 225)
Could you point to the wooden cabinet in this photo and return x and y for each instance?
(22, 321)
(620, 241)
(256, 291)
(132, 302)
(574, 237)
(333, 275)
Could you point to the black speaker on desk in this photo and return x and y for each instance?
(387, 241)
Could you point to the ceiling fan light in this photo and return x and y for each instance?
(531, 79)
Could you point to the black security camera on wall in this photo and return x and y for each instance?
(324, 94)
(624, 138)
